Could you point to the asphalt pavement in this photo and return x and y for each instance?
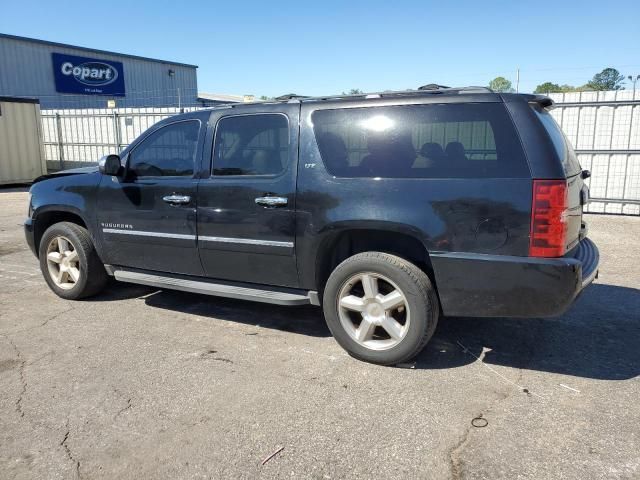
(145, 383)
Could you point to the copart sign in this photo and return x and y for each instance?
(87, 76)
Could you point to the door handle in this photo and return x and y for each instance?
(174, 199)
(272, 201)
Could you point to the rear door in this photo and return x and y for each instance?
(147, 219)
(246, 206)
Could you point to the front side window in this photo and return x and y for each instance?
(167, 152)
(251, 145)
(420, 141)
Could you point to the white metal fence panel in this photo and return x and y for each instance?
(604, 129)
(74, 138)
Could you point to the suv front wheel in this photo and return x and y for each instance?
(69, 262)
(380, 308)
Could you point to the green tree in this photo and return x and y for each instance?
(265, 98)
(607, 79)
(548, 87)
(353, 91)
(569, 88)
(500, 84)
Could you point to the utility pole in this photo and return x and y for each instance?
(634, 80)
(517, 79)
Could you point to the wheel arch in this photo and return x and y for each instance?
(338, 244)
(52, 214)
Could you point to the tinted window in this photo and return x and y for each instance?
(561, 144)
(420, 141)
(251, 145)
(167, 152)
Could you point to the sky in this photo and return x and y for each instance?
(326, 47)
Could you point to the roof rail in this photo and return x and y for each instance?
(295, 98)
(290, 96)
(401, 93)
(432, 86)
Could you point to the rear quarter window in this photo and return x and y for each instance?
(420, 141)
(561, 145)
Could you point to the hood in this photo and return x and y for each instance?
(65, 173)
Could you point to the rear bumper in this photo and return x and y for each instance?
(589, 256)
(478, 285)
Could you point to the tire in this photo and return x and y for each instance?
(373, 295)
(83, 273)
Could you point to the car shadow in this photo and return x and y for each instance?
(597, 338)
(14, 188)
(304, 320)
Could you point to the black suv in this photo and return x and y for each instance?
(386, 209)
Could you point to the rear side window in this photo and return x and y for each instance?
(560, 143)
(251, 145)
(420, 141)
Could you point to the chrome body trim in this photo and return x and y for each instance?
(247, 241)
(148, 234)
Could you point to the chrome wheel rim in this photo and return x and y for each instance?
(63, 263)
(373, 311)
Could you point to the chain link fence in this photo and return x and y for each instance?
(603, 127)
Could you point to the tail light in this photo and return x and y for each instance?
(548, 233)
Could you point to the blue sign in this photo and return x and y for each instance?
(88, 76)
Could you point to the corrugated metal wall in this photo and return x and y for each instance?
(26, 70)
(21, 158)
(604, 129)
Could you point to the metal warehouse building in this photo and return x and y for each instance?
(66, 76)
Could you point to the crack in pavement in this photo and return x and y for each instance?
(64, 445)
(22, 361)
(122, 410)
(455, 452)
(23, 380)
(454, 455)
(47, 320)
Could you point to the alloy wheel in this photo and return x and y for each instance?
(63, 263)
(373, 311)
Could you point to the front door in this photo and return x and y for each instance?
(148, 218)
(246, 208)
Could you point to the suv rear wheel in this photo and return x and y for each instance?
(69, 262)
(380, 308)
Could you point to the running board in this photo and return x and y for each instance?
(291, 297)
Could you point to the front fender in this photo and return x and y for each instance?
(74, 194)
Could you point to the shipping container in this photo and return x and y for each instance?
(21, 153)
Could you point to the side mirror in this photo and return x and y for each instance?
(585, 174)
(111, 165)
